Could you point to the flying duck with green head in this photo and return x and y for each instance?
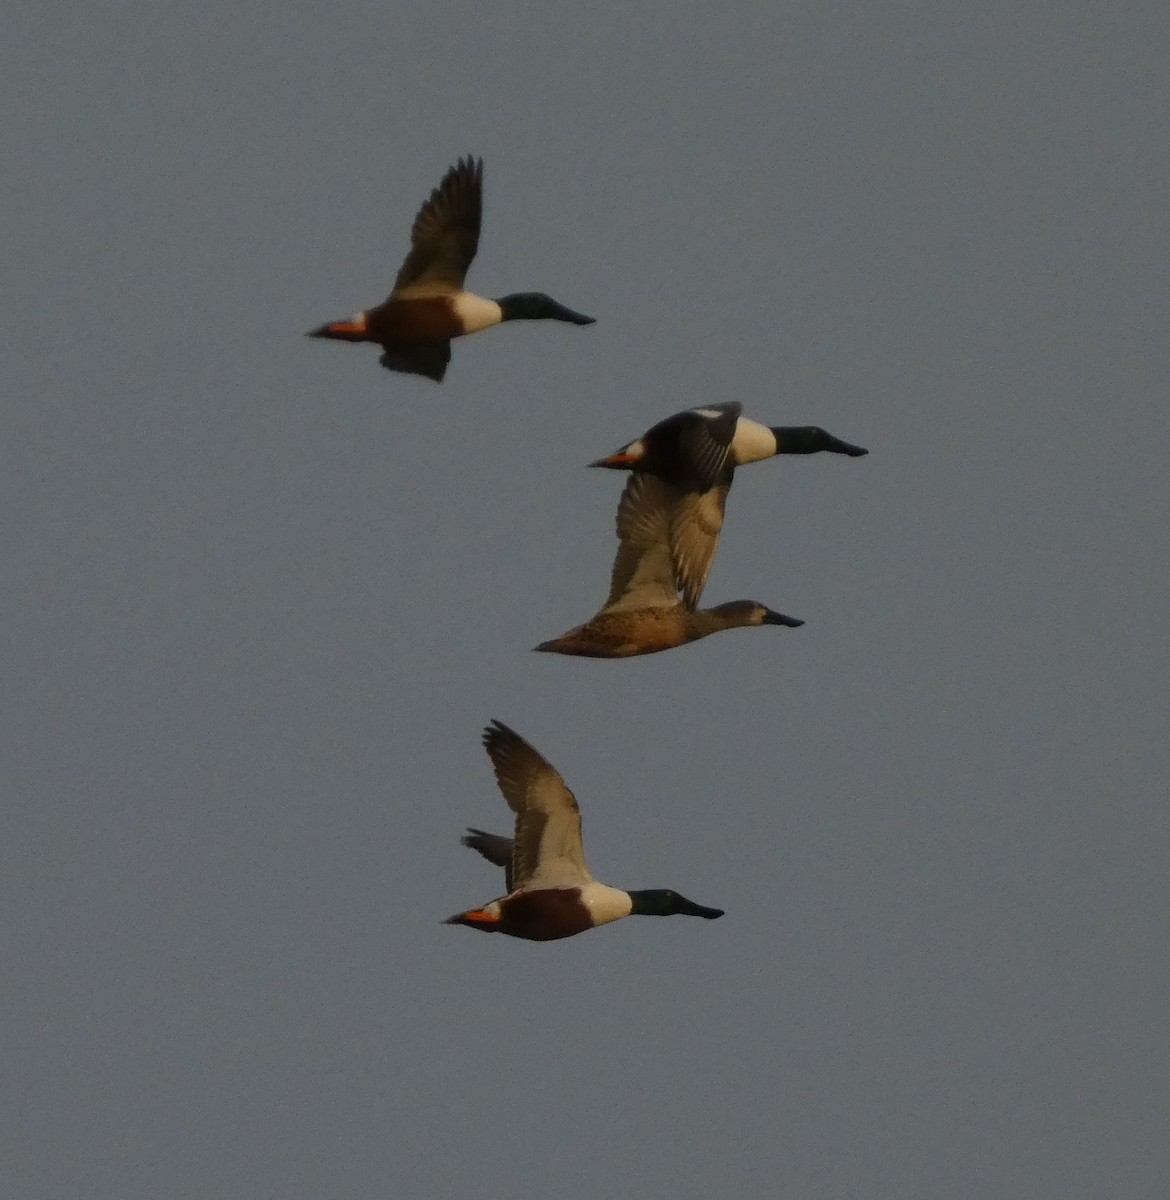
(692, 457)
(428, 307)
(551, 893)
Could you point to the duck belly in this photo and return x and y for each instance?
(624, 633)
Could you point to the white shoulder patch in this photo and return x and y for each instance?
(604, 903)
(475, 313)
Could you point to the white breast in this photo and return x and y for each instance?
(476, 313)
(752, 442)
(604, 903)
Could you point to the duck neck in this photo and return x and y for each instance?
(703, 621)
(536, 306)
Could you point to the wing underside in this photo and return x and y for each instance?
(429, 359)
(546, 850)
(668, 537)
(445, 235)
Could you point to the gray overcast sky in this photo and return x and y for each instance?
(264, 596)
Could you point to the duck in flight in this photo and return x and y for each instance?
(551, 893)
(428, 306)
(692, 458)
(643, 613)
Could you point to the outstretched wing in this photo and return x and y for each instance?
(669, 536)
(691, 449)
(695, 524)
(547, 849)
(643, 572)
(445, 235)
(494, 847)
(704, 443)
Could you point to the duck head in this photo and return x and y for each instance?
(536, 306)
(665, 903)
(751, 612)
(810, 439)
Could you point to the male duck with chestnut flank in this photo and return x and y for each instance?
(694, 454)
(428, 307)
(643, 613)
(550, 891)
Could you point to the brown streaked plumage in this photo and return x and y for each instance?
(643, 613)
(632, 632)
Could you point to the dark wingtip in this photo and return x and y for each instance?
(494, 731)
(812, 439)
(472, 837)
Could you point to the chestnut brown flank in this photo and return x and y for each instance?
(544, 916)
(413, 322)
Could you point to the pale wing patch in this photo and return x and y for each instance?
(547, 843)
(642, 579)
(713, 412)
(696, 522)
(643, 575)
(643, 515)
(560, 855)
(445, 235)
(526, 847)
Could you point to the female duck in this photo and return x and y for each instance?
(428, 306)
(643, 613)
(550, 891)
